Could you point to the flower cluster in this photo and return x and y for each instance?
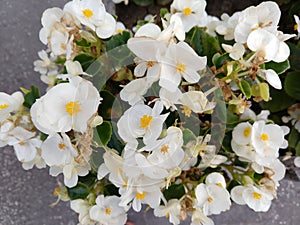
(160, 116)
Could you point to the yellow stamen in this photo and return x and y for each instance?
(145, 121)
(150, 64)
(256, 196)
(108, 211)
(63, 46)
(210, 200)
(61, 146)
(296, 27)
(247, 132)
(119, 31)
(140, 196)
(3, 106)
(219, 184)
(87, 13)
(56, 191)
(73, 108)
(180, 67)
(186, 110)
(164, 149)
(187, 11)
(22, 143)
(264, 137)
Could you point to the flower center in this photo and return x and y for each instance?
(210, 200)
(186, 110)
(150, 64)
(108, 211)
(22, 143)
(140, 196)
(264, 137)
(247, 132)
(219, 184)
(187, 11)
(63, 46)
(180, 67)
(164, 149)
(61, 146)
(73, 108)
(296, 27)
(3, 106)
(119, 31)
(87, 13)
(145, 121)
(256, 196)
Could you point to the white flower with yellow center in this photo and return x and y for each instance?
(9, 104)
(212, 197)
(120, 27)
(265, 16)
(242, 133)
(297, 26)
(107, 211)
(89, 13)
(171, 210)
(180, 61)
(142, 190)
(66, 106)
(141, 121)
(191, 12)
(107, 28)
(82, 207)
(57, 150)
(253, 196)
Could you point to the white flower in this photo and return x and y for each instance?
(265, 16)
(272, 78)
(169, 99)
(26, 150)
(179, 61)
(254, 197)
(66, 106)
(50, 17)
(297, 26)
(120, 27)
(119, 1)
(57, 150)
(133, 92)
(195, 101)
(212, 196)
(171, 210)
(9, 104)
(141, 121)
(6, 137)
(242, 133)
(297, 161)
(191, 12)
(198, 218)
(38, 161)
(294, 112)
(264, 43)
(227, 26)
(82, 207)
(61, 43)
(212, 23)
(46, 65)
(89, 13)
(107, 211)
(236, 51)
(107, 28)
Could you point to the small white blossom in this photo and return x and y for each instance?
(171, 210)
(9, 104)
(236, 51)
(46, 64)
(297, 26)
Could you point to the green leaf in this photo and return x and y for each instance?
(115, 141)
(280, 100)
(80, 191)
(163, 12)
(264, 91)
(219, 60)
(143, 2)
(232, 184)
(279, 68)
(84, 60)
(83, 43)
(43, 136)
(294, 138)
(110, 189)
(298, 149)
(245, 88)
(103, 133)
(188, 136)
(226, 145)
(163, 2)
(31, 96)
(174, 191)
(292, 84)
(203, 43)
(110, 106)
(117, 40)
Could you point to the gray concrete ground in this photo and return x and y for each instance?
(25, 195)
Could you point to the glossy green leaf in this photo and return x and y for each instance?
(188, 136)
(219, 60)
(83, 43)
(102, 133)
(110, 189)
(264, 91)
(245, 88)
(31, 96)
(117, 40)
(292, 84)
(174, 191)
(80, 191)
(294, 138)
(110, 106)
(279, 68)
